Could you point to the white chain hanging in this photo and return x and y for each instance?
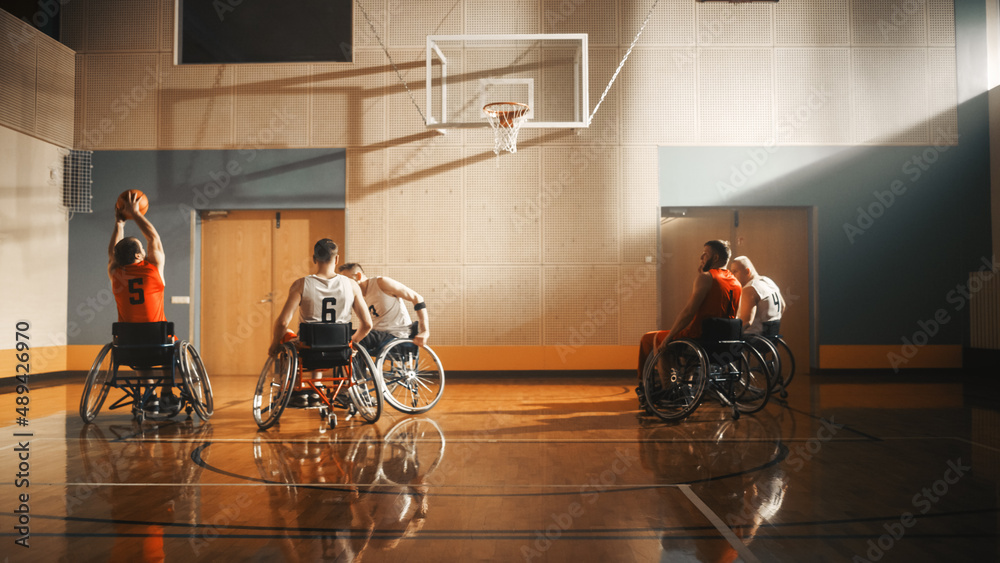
(394, 67)
(625, 58)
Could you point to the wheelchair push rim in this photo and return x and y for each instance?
(413, 378)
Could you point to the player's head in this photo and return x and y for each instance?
(129, 251)
(716, 255)
(324, 251)
(743, 269)
(352, 270)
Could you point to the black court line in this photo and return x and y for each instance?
(843, 426)
(196, 456)
(588, 534)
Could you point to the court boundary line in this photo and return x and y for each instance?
(726, 531)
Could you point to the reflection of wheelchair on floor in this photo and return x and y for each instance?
(321, 346)
(677, 376)
(777, 354)
(412, 375)
(157, 360)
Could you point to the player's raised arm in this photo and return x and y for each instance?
(117, 234)
(154, 246)
(396, 289)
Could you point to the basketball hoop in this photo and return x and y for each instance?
(505, 118)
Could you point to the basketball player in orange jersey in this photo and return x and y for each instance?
(137, 279)
(324, 296)
(716, 293)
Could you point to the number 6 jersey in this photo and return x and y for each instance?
(326, 300)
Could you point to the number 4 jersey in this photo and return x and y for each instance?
(138, 290)
(326, 300)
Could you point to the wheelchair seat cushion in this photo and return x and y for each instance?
(770, 329)
(143, 345)
(722, 339)
(325, 345)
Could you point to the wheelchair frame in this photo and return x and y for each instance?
(279, 374)
(195, 389)
(732, 369)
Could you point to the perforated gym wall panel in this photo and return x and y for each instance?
(427, 206)
(38, 76)
(196, 105)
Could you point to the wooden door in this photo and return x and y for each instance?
(776, 240)
(249, 260)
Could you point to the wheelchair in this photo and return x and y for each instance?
(777, 354)
(321, 346)
(145, 347)
(412, 376)
(677, 376)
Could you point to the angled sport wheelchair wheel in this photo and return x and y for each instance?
(753, 388)
(198, 389)
(366, 392)
(787, 364)
(772, 358)
(95, 390)
(674, 379)
(274, 387)
(413, 376)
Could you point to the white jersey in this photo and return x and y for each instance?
(769, 306)
(388, 312)
(333, 296)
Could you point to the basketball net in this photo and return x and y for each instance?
(505, 118)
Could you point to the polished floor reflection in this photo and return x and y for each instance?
(518, 469)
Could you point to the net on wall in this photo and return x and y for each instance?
(77, 181)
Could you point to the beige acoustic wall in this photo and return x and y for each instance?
(36, 126)
(552, 252)
(34, 241)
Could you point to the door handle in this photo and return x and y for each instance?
(267, 298)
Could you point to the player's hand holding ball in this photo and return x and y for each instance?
(131, 203)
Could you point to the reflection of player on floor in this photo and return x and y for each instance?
(716, 293)
(321, 297)
(761, 301)
(385, 301)
(137, 279)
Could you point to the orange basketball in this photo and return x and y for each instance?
(122, 202)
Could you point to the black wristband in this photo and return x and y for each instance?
(420, 306)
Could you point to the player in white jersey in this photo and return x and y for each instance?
(321, 297)
(385, 303)
(761, 300)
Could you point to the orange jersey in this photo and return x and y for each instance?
(138, 291)
(722, 301)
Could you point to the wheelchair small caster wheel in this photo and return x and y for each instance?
(784, 394)
(331, 420)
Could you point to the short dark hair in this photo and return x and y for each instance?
(324, 250)
(125, 251)
(721, 249)
(351, 267)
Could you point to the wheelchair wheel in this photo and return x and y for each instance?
(674, 379)
(771, 356)
(753, 387)
(95, 390)
(199, 388)
(787, 363)
(274, 387)
(412, 376)
(366, 391)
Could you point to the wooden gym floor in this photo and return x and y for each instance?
(507, 468)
